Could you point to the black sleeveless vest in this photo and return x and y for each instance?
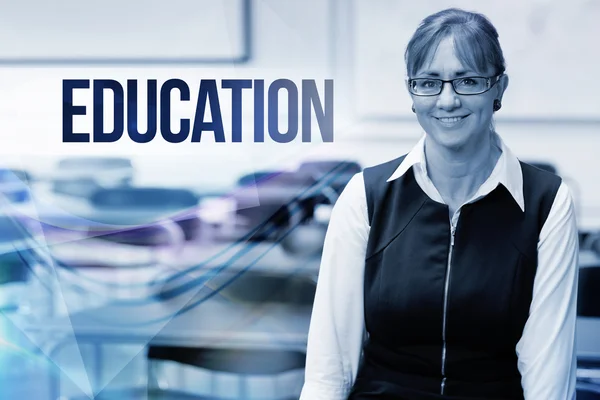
(444, 320)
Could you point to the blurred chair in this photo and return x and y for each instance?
(79, 187)
(588, 313)
(590, 241)
(588, 302)
(120, 168)
(588, 388)
(245, 364)
(99, 270)
(305, 240)
(82, 176)
(287, 204)
(134, 202)
(262, 288)
(146, 232)
(248, 288)
(239, 363)
(277, 201)
(14, 272)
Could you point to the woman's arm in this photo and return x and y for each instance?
(547, 354)
(337, 323)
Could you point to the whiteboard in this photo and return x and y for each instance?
(550, 48)
(120, 31)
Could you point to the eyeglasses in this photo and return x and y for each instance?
(467, 86)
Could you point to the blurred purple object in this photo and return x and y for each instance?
(179, 205)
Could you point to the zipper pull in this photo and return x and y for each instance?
(452, 231)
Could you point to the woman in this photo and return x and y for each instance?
(450, 272)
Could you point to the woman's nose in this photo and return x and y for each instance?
(448, 99)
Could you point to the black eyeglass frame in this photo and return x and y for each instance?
(451, 81)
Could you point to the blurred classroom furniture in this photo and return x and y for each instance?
(588, 327)
(82, 176)
(209, 284)
(14, 272)
(260, 314)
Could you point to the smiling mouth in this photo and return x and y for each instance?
(451, 119)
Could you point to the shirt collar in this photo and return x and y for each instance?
(506, 172)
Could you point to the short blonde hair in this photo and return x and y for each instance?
(475, 40)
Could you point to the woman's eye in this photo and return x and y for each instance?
(428, 84)
(468, 82)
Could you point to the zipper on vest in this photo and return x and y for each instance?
(446, 288)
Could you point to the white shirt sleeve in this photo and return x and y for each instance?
(337, 323)
(546, 351)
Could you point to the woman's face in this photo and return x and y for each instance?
(449, 119)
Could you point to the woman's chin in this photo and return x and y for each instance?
(451, 139)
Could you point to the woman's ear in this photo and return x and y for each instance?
(502, 85)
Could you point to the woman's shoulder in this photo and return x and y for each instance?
(543, 191)
(540, 170)
(539, 180)
(380, 173)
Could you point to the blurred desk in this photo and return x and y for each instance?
(190, 260)
(588, 258)
(67, 212)
(588, 327)
(214, 323)
(588, 219)
(266, 257)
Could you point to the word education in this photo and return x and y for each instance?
(303, 102)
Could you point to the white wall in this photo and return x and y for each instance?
(547, 46)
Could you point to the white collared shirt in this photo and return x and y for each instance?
(546, 351)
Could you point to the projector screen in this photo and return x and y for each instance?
(41, 31)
